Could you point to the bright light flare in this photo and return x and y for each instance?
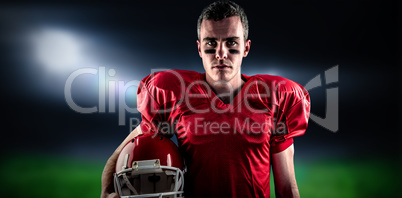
(57, 50)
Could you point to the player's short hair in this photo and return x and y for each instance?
(220, 10)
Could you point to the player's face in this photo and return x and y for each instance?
(222, 48)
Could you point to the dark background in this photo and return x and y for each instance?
(42, 43)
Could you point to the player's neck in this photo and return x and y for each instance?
(226, 90)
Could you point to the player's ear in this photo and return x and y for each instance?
(199, 48)
(247, 46)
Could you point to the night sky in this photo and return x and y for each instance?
(44, 43)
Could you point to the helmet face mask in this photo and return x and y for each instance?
(159, 176)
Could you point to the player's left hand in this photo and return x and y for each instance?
(113, 195)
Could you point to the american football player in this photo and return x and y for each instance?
(231, 128)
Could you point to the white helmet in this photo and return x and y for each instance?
(149, 166)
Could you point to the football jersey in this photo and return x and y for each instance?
(226, 147)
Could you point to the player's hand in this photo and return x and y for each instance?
(113, 195)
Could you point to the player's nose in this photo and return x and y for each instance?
(221, 52)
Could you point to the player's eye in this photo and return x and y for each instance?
(211, 43)
(231, 43)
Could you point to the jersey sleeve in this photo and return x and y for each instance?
(155, 103)
(291, 115)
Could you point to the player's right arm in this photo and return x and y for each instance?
(108, 171)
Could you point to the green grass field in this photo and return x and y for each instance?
(44, 176)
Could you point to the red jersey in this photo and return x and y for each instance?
(226, 147)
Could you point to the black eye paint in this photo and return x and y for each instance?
(210, 51)
(233, 51)
(213, 51)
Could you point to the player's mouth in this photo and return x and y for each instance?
(221, 67)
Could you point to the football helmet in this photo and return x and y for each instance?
(150, 165)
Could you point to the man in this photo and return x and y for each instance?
(230, 127)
